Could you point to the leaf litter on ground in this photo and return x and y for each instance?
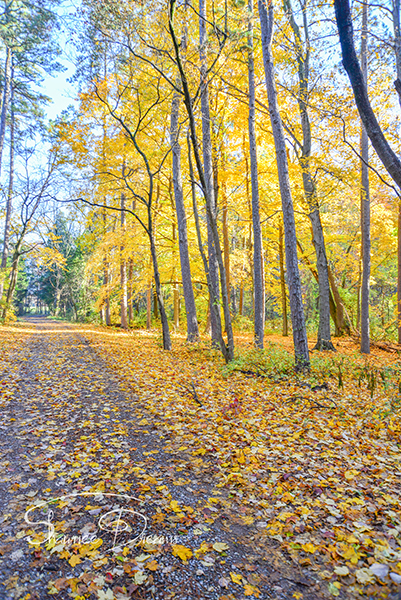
(266, 486)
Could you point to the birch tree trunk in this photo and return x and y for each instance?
(189, 298)
(258, 270)
(293, 276)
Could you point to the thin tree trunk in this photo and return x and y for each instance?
(399, 274)
(208, 161)
(12, 280)
(351, 64)
(365, 200)
(7, 224)
(303, 59)
(397, 52)
(106, 278)
(293, 276)
(189, 298)
(5, 100)
(258, 270)
(226, 238)
(227, 350)
(176, 290)
(341, 323)
(241, 301)
(282, 279)
(212, 308)
(123, 269)
(149, 306)
(336, 307)
(163, 315)
(130, 288)
(176, 306)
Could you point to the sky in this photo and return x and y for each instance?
(62, 92)
(59, 90)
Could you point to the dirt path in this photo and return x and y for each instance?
(83, 457)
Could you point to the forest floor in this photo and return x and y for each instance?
(130, 472)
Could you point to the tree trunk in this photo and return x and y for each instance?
(5, 100)
(399, 274)
(10, 191)
(12, 280)
(241, 301)
(227, 350)
(351, 64)
(293, 276)
(176, 306)
(123, 269)
(212, 308)
(258, 270)
(365, 200)
(226, 238)
(163, 315)
(106, 278)
(342, 325)
(130, 288)
(189, 298)
(282, 280)
(303, 59)
(149, 306)
(208, 162)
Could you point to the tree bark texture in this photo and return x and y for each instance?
(293, 276)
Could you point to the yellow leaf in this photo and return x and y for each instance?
(251, 590)
(182, 552)
(309, 548)
(96, 543)
(152, 565)
(236, 578)
(204, 547)
(74, 560)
